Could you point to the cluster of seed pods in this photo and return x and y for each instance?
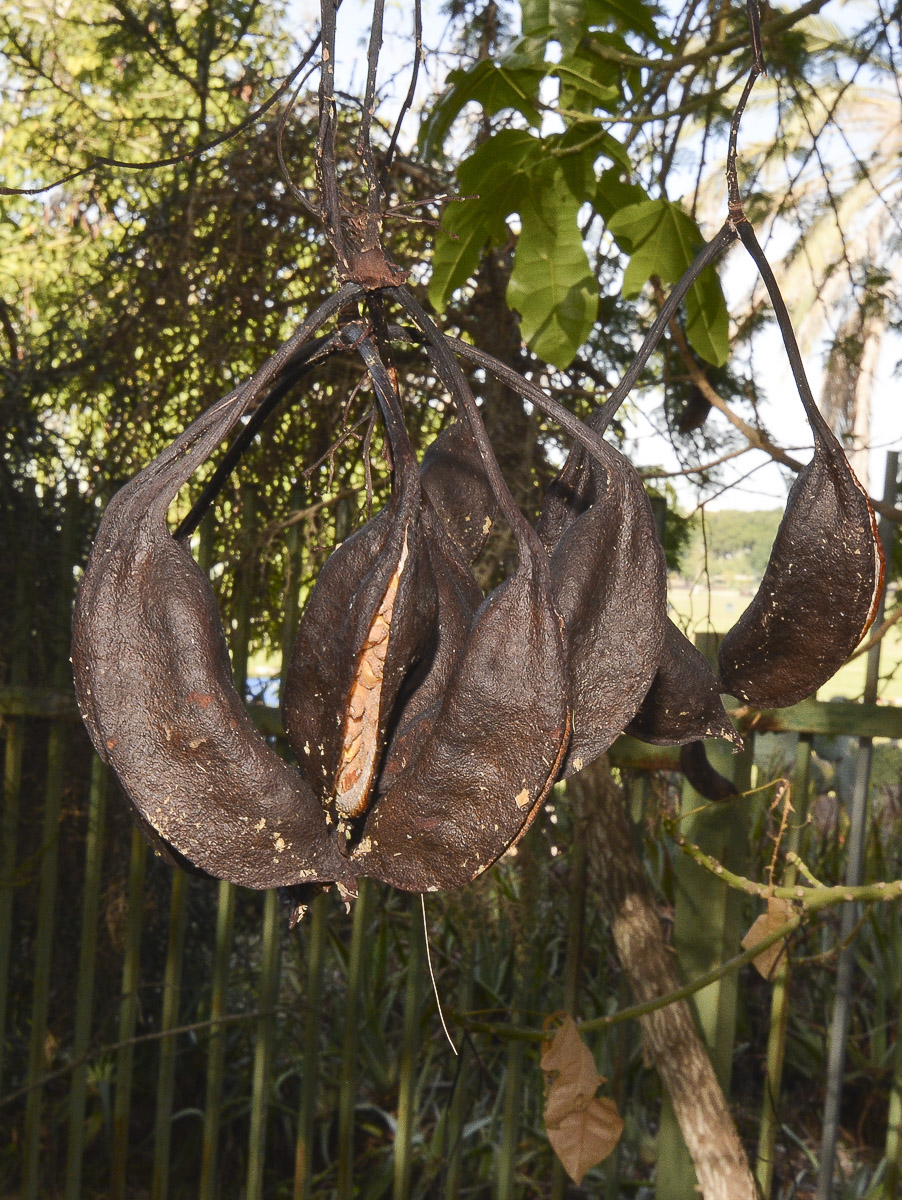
(430, 721)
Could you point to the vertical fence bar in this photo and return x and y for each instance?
(779, 1005)
(87, 956)
(457, 1108)
(172, 978)
(893, 1181)
(264, 1044)
(310, 1080)
(14, 728)
(524, 957)
(37, 1056)
(573, 964)
(225, 920)
(410, 1044)
(128, 1014)
(836, 1055)
(222, 950)
(53, 807)
(347, 1092)
(9, 837)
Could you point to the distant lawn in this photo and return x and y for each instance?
(696, 609)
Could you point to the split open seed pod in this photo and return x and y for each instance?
(371, 616)
(479, 772)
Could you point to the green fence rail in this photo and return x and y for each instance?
(164, 1035)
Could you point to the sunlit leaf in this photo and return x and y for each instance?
(631, 15)
(492, 85)
(662, 240)
(552, 285)
(494, 179)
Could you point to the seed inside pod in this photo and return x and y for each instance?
(360, 740)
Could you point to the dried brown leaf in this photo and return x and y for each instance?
(583, 1129)
(777, 913)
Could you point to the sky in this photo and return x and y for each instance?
(756, 483)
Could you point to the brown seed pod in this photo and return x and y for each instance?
(683, 703)
(609, 585)
(153, 680)
(819, 592)
(822, 583)
(454, 485)
(370, 617)
(391, 608)
(485, 762)
(491, 752)
(707, 781)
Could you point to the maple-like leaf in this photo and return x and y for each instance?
(582, 1128)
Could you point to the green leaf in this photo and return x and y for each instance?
(495, 176)
(563, 21)
(494, 86)
(634, 16)
(707, 320)
(552, 285)
(614, 192)
(662, 240)
(587, 82)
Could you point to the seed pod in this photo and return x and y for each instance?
(491, 754)
(707, 781)
(378, 616)
(822, 583)
(819, 592)
(608, 583)
(153, 682)
(453, 484)
(683, 703)
(369, 618)
(487, 760)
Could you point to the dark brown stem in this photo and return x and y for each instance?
(325, 149)
(295, 370)
(451, 375)
(374, 197)
(414, 75)
(734, 199)
(601, 418)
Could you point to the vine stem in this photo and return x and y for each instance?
(811, 899)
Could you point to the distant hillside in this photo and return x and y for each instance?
(735, 544)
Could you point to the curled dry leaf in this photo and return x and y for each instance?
(777, 913)
(583, 1128)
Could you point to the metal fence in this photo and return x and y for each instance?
(166, 1036)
